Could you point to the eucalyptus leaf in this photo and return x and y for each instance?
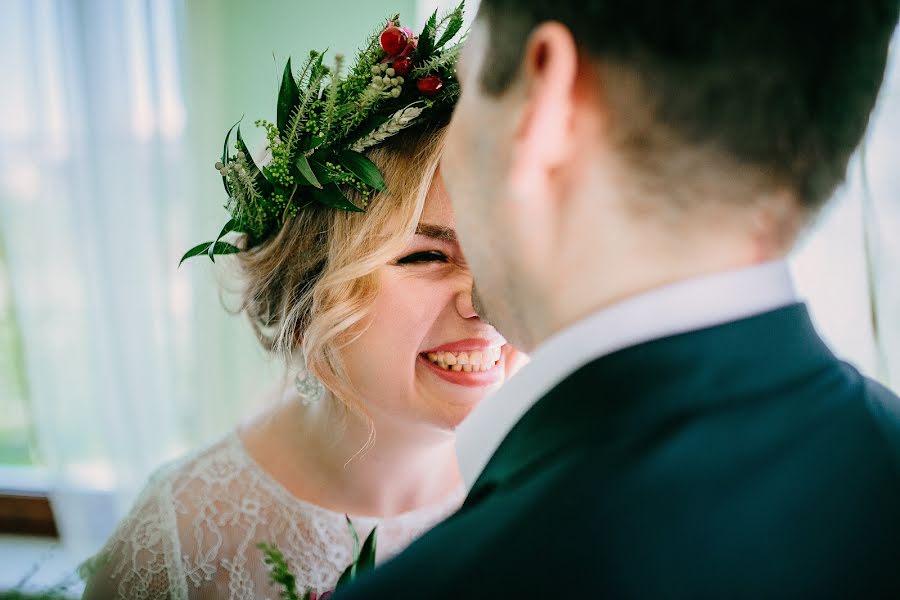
(288, 96)
(306, 171)
(362, 167)
(331, 196)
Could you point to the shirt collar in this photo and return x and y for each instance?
(669, 310)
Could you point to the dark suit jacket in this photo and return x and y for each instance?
(739, 461)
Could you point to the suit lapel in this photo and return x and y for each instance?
(615, 400)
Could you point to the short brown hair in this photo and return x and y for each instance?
(785, 87)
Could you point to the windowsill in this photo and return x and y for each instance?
(25, 504)
(27, 481)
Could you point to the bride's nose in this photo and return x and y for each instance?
(464, 303)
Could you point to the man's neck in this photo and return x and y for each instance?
(588, 280)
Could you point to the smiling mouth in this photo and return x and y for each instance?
(475, 361)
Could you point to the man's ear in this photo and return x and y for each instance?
(548, 81)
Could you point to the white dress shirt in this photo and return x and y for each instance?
(677, 308)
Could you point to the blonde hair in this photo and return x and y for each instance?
(311, 286)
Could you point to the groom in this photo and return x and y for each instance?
(628, 178)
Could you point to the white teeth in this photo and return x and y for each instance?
(474, 361)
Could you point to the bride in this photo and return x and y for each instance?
(373, 314)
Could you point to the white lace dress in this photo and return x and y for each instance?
(194, 530)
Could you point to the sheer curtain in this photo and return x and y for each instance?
(129, 361)
(848, 265)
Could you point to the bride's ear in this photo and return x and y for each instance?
(542, 139)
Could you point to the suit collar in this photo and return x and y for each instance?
(687, 305)
(638, 389)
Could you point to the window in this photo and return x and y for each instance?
(16, 435)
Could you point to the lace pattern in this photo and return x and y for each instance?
(194, 529)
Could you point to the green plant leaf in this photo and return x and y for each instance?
(318, 70)
(288, 96)
(367, 553)
(331, 195)
(196, 251)
(306, 171)
(225, 153)
(279, 571)
(254, 170)
(347, 576)
(323, 174)
(314, 142)
(355, 537)
(227, 138)
(223, 248)
(454, 24)
(426, 41)
(349, 573)
(228, 228)
(362, 167)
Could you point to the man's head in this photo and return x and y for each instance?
(602, 131)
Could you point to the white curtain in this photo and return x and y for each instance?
(129, 361)
(848, 266)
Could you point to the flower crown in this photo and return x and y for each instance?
(324, 121)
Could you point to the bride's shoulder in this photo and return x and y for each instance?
(146, 552)
(219, 464)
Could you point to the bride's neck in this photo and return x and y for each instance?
(406, 466)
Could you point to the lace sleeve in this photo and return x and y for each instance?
(140, 559)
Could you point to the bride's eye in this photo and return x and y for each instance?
(423, 257)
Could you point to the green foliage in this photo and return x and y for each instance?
(426, 40)
(322, 121)
(281, 576)
(279, 571)
(454, 21)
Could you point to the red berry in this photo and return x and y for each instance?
(393, 40)
(402, 66)
(430, 85)
(408, 50)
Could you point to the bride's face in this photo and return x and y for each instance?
(427, 357)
